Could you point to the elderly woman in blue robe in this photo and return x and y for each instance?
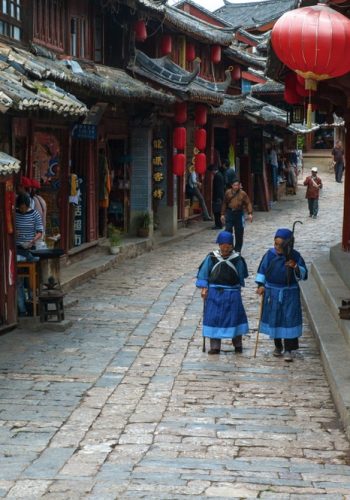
(220, 278)
(279, 272)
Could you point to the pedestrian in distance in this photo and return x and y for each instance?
(279, 272)
(193, 189)
(314, 184)
(220, 278)
(218, 193)
(236, 203)
(338, 157)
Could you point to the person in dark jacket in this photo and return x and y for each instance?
(314, 184)
(217, 193)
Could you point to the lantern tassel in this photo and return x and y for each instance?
(309, 115)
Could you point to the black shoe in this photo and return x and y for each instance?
(207, 218)
(214, 351)
(238, 349)
(216, 228)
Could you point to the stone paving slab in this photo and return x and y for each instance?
(124, 403)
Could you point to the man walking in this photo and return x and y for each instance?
(338, 156)
(218, 194)
(236, 203)
(314, 184)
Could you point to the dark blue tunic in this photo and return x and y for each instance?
(224, 314)
(281, 316)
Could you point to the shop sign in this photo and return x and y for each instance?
(84, 131)
(79, 216)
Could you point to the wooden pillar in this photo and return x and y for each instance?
(346, 213)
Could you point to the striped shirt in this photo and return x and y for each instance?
(27, 226)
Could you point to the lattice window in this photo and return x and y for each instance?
(49, 18)
(11, 19)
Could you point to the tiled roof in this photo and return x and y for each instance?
(8, 164)
(254, 14)
(20, 92)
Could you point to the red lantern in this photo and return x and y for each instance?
(314, 42)
(236, 72)
(200, 115)
(140, 30)
(190, 52)
(216, 54)
(166, 45)
(200, 138)
(179, 164)
(180, 112)
(290, 94)
(179, 138)
(200, 163)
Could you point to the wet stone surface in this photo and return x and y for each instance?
(125, 404)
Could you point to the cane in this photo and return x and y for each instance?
(260, 315)
(203, 346)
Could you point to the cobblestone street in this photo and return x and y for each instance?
(125, 404)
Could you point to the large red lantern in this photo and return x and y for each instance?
(179, 138)
(200, 138)
(200, 114)
(190, 52)
(314, 42)
(200, 163)
(140, 30)
(180, 112)
(290, 94)
(166, 45)
(215, 53)
(179, 164)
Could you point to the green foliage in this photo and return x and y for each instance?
(300, 142)
(144, 220)
(114, 235)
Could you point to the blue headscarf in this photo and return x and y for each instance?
(283, 233)
(225, 237)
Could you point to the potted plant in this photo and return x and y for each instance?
(144, 220)
(115, 238)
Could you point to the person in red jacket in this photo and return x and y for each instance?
(314, 184)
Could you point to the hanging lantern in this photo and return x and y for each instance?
(200, 115)
(314, 42)
(215, 53)
(179, 138)
(190, 52)
(179, 164)
(200, 138)
(290, 94)
(200, 163)
(180, 112)
(140, 30)
(301, 90)
(236, 72)
(166, 45)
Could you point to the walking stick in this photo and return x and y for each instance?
(203, 346)
(260, 315)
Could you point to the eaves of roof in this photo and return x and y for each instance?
(8, 164)
(270, 87)
(178, 5)
(165, 72)
(95, 80)
(197, 28)
(242, 56)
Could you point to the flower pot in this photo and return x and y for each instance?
(114, 250)
(143, 232)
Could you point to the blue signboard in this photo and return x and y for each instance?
(84, 131)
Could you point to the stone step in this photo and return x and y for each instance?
(333, 290)
(334, 350)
